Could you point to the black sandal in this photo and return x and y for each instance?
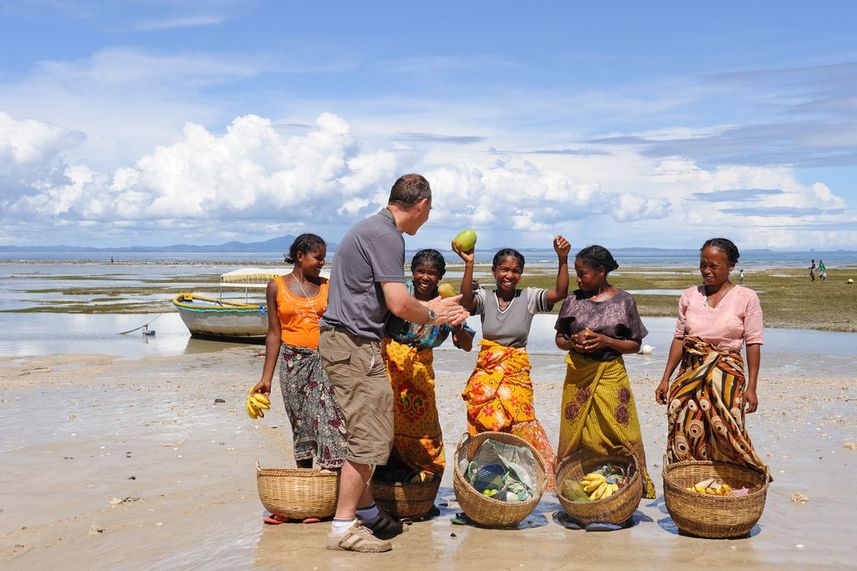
(385, 526)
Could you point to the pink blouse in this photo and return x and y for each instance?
(736, 320)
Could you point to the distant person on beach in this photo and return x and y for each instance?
(710, 395)
(367, 285)
(812, 270)
(499, 393)
(295, 303)
(597, 324)
(822, 270)
(418, 451)
(741, 277)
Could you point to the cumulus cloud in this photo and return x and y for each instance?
(31, 155)
(250, 178)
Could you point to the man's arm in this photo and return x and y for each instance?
(404, 305)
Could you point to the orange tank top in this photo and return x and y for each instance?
(299, 315)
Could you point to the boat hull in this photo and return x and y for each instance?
(210, 320)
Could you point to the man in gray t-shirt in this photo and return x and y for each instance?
(367, 284)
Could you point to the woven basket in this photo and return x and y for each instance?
(411, 500)
(297, 493)
(481, 509)
(615, 509)
(714, 516)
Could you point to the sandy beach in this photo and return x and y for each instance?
(115, 463)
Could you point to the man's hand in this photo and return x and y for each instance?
(448, 310)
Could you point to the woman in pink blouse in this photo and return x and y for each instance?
(710, 395)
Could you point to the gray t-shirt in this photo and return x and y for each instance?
(371, 253)
(510, 327)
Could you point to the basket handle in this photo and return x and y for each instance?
(258, 465)
(465, 436)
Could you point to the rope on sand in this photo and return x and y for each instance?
(145, 327)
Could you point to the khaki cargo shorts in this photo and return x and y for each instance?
(359, 376)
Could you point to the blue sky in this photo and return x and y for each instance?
(626, 123)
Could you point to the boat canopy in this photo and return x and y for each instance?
(256, 277)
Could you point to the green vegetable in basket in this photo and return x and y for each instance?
(572, 490)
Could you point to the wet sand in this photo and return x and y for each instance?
(111, 463)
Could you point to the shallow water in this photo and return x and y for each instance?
(786, 351)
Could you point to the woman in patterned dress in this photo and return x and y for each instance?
(295, 302)
(418, 452)
(597, 324)
(710, 396)
(499, 393)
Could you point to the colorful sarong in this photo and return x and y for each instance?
(499, 397)
(706, 408)
(417, 439)
(598, 412)
(318, 426)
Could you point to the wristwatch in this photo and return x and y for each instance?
(431, 316)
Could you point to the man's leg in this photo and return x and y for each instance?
(354, 489)
(346, 363)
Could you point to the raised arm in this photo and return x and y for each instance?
(467, 301)
(561, 246)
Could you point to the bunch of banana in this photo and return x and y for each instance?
(255, 404)
(597, 486)
(711, 487)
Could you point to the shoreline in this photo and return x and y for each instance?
(789, 299)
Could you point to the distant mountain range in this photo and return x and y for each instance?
(278, 245)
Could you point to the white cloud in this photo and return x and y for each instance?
(250, 178)
(181, 22)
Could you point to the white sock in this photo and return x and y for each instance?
(340, 526)
(368, 513)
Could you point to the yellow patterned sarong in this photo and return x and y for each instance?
(598, 412)
(706, 408)
(417, 438)
(499, 397)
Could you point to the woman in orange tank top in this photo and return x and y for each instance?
(295, 302)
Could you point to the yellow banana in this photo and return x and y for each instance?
(262, 398)
(596, 495)
(259, 403)
(593, 485)
(699, 489)
(251, 412)
(593, 476)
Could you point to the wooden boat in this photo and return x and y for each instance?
(231, 318)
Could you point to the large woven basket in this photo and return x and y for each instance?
(298, 493)
(714, 516)
(481, 509)
(410, 500)
(615, 509)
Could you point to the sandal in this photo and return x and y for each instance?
(273, 519)
(385, 526)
